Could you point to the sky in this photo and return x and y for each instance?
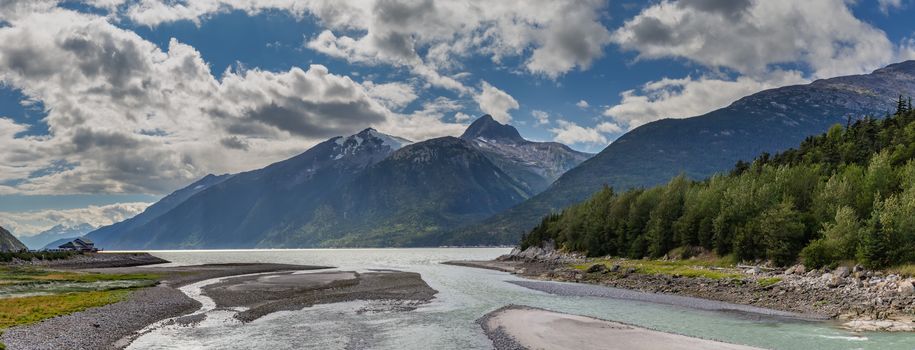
(108, 105)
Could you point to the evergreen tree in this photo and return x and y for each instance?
(846, 194)
(901, 106)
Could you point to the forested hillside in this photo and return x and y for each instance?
(846, 195)
(768, 121)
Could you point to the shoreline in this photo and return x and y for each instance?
(98, 260)
(591, 290)
(255, 289)
(807, 297)
(522, 327)
(113, 326)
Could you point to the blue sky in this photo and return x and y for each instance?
(114, 102)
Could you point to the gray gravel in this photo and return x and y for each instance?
(113, 326)
(293, 292)
(500, 339)
(96, 260)
(101, 328)
(588, 290)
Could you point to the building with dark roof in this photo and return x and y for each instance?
(81, 244)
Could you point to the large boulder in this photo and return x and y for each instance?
(832, 280)
(597, 268)
(796, 269)
(906, 288)
(842, 271)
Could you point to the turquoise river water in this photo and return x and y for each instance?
(465, 294)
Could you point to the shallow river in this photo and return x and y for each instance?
(465, 294)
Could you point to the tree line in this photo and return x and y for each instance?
(846, 195)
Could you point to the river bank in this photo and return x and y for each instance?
(254, 290)
(111, 326)
(448, 321)
(861, 300)
(91, 261)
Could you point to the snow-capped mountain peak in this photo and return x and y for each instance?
(367, 141)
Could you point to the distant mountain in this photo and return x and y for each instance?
(768, 121)
(535, 165)
(57, 243)
(56, 233)
(409, 198)
(239, 211)
(9, 243)
(107, 236)
(368, 189)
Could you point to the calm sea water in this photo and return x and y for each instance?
(465, 294)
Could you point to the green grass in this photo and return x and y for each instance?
(28, 310)
(18, 275)
(702, 267)
(766, 282)
(15, 311)
(903, 270)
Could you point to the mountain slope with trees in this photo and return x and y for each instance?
(848, 194)
(768, 121)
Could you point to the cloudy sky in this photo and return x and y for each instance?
(106, 105)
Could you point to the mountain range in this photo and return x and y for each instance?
(367, 189)
(55, 234)
(487, 186)
(768, 121)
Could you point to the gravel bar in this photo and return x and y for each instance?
(114, 326)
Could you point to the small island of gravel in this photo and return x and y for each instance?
(521, 327)
(267, 293)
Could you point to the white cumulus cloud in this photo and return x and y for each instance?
(749, 36)
(496, 102)
(33, 222)
(765, 43)
(555, 36)
(688, 97)
(571, 133)
(128, 117)
(540, 117)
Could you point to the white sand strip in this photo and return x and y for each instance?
(547, 330)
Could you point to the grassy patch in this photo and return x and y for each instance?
(19, 275)
(705, 268)
(903, 270)
(765, 282)
(67, 291)
(21, 311)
